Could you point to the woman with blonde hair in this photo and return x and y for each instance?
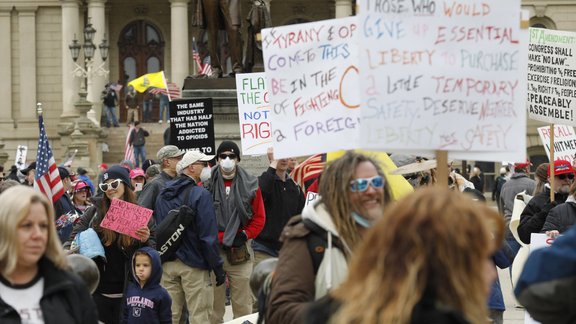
(428, 260)
(317, 245)
(35, 286)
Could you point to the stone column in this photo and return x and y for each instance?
(343, 8)
(96, 82)
(6, 66)
(70, 83)
(179, 41)
(27, 64)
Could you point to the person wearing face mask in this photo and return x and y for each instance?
(354, 194)
(188, 277)
(536, 212)
(240, 216)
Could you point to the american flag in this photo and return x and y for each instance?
(173, 89)
(207, 68)
(308, 169)
(129, 149)
(196, 56)
(47, 178)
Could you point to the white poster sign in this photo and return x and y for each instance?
(312, 78)
(552, 76)
(537, 241)
(564, 142)
(21, 153)
(443, 76)
(253, 113)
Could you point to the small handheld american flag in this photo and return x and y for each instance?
(47, 178)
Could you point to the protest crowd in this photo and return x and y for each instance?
(307, 242)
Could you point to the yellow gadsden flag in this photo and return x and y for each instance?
(149, 80)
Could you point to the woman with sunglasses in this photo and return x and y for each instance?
(318, 244)
(118, 248)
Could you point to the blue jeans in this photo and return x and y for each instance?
(111, 116)
(147, 110)
(139, 151)
(164, 107)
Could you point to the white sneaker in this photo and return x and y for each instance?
(160, 121)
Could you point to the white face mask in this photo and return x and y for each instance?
(228, 164)
(205, 174)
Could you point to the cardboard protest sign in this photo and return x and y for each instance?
(21, 153)
(253, 113)
(192, 125)
(564, 142)
(124, 217)
(443, 76)
(552, 76)
(312, 78)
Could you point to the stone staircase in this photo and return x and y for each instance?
(117, 138)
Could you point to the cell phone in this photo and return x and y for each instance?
(138, 186)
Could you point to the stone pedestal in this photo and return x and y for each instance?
(226, 121)
(83, 136)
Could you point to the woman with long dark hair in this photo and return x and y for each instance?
(117, 247)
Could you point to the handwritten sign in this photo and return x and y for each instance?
(312, 77)
(443, 75)
(311, 197)
(564, 142)
(253, 113)
(192, 125)
(552, 76)
(124, 217)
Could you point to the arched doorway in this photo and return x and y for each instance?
(141, 51)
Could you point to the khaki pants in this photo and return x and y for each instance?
(190, 286)
(241, 295)
(131, 113)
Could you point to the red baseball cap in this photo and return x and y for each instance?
(134, 173)
(561, 167)
(522, 165)
(103, 165)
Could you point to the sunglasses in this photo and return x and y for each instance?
(566, 175)
(361, 184)
(223, 156)
(114, 185)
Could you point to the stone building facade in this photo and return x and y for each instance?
(144, 36)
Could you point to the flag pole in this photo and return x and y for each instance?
(38, 109)
(166, 84)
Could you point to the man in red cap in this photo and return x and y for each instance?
(519, 181)
(534, 215)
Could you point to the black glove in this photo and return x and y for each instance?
(220, 276)
(240, 239)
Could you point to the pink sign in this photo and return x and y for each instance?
(124, 217)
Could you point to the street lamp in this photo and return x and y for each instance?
(87, 71)
(89, 48)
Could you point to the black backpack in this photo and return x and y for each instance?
(170, 232)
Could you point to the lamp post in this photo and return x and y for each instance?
(88, 70)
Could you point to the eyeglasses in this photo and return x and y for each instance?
(361, 184)
(223, 156)
(114, 185)
(570, 176)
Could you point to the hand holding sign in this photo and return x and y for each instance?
(127, 218)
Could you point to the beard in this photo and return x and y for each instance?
(564, 189)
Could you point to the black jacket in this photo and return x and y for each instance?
(65, 299)
(424, 312)
(282, 200)
(534, 215)
(560, 218)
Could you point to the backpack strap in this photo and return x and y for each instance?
(316, 242)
